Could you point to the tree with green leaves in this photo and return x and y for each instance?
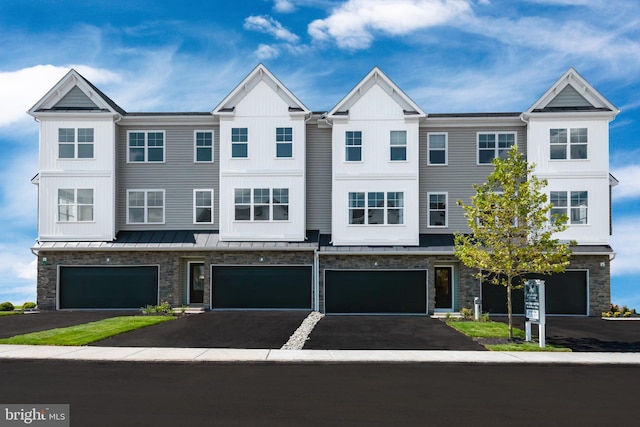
(512, 232)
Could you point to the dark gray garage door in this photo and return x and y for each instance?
(566, 294)
(108, 287)
(268, 287)
(375, 291)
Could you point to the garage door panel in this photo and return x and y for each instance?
(376, 291)
(242, 287)
(108, 287)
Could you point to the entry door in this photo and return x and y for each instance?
(444, 287)
(196, 282)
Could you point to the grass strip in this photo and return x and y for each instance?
(9, 313)
(88, 332)
(526, 346)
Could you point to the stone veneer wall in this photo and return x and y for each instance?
(599, 281)
(172, 264)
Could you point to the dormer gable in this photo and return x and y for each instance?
(260, 74)
(572, 93)
(74, 93)
(376, 78)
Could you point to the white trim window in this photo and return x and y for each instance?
(239, 143)
(573, 204)
(375, 208)
(437, 148)
(145, 206)
(398, 145)
(75, 143)
(284, 143)
(568, 142)
(75, 205)
(203, 146)
(203, 206)
(353, 146)
(437, 209)
(146, 146)
(493, 145)
(261, 204)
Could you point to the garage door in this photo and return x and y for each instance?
(566, 293)
(375, 291)
(108, 287)
(268, 287)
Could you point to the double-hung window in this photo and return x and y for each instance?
(145, 206)
(75, 205)
(70, 147)
(261, 204)
(239, 143)
(376, 207)
(398, 142)
(280, 204)
(353, 146)
(437, 148)
(356, 208)
(395, 208)
(146, 146)
(437, 209)
(494, 144)
(568, 144)
(573, 204)
(202, 206)
(284, 142)
(203, 146)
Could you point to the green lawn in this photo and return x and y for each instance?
(88, 332)
(9, 313)
(488, 330)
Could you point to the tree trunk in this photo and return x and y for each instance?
(509, 309)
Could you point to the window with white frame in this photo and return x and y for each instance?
(203, 206)
(145, 206)
(573, 204)
(353, 146)
(239, 143)
(437, 209)
(75, 205)
(376, 208)
(284, 142)
(398, 142)
(568, 144)
(203, 146)
(437, 148)
(146, 146)
(494, 144)
(261, 204)
(75, 143)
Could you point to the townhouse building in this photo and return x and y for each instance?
(262, 203)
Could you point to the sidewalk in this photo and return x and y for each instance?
(155, 354)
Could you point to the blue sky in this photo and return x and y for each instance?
(448, 56)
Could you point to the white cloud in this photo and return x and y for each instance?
(283, 6)
(268, 25)
(353, 24)
(629, 187)
(626, 242)
(265, 51)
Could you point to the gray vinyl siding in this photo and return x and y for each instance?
(457, 178)
(76, 98)
(318, 175)
(178, 176)
(569, 97)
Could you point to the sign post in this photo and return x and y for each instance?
(534, 309)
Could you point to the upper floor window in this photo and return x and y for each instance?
(568, 144)
(495, 144)
(353, 143)
(437, 209)
(284, 142)
(75, 205)
(261, 204)
(203, 146)
(576, 201)
(374, 208)
(202, 206)
(398, 141)
(146, 146)
(437, 148)
(72, 147)
(145, 206)
(239, 143)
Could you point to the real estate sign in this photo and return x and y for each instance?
(534, 308)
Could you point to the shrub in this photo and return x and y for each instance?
(28, 305)
(467, 313)
(6, 306)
